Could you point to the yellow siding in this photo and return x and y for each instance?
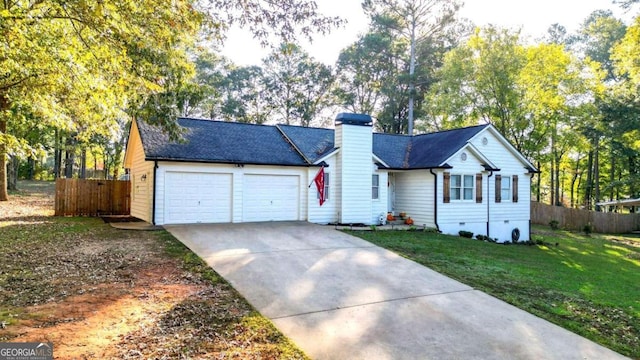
(141, 175)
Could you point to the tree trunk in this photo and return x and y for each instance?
(412, 69)
(70, 157)
(95, 163)
(83, 164)
(32, 168)
(578, 186)
(612, 174)
(634, 175)
(589, 187)
(105, 167)
(4, 105)
(574, 178)
(556, 161)
(552, 187)
(596, 175)
(539, 184)
(57, 169)
(12, 173)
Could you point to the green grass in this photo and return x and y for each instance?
(589, 285)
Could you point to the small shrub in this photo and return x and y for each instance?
(482, 237)
(373, 228)
(412, 228)
(466, 234)
(430, 230)
(554, 224)
(588, 229)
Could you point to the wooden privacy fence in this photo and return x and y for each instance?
(575, 219)
(78, 197)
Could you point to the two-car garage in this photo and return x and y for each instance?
(234, 196)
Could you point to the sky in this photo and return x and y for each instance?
(534, 17)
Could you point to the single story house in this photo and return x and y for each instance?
(468, 179)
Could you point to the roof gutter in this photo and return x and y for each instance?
(533, 171)
(435, 199)
(224, 162)
(488, 198)
(153, 202)
(440, 167)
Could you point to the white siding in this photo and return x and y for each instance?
(379, 205)
(506, 215)
(414, 195)
(355, 158)
(463, 214)
(471, 216)
(238, 175)
(141, 175)
(328, 212)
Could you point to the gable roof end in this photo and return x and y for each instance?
(527, 164)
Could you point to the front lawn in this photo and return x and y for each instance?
(589, 285)
(102, 293)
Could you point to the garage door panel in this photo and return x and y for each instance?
(197, 197)
(271, 197)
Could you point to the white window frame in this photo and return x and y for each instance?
(375, 187)
(461, 194)
(505, 190)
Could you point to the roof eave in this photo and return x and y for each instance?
(382, 162)
(439, 167)
(326, 156)
(224, 162)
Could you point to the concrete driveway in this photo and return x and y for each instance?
(340, 297)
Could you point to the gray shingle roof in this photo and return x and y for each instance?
(432, 150)
(227, 142)
(313, 143)
(392, 149)
(220, 142)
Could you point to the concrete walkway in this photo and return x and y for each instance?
(340, 297)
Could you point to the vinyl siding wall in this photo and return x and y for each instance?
(238, 174)
(379, 205)
(471, 216)
(355, 158)
(506, 215)
(141, 189)
(328, 212)
(414, 195)
(463, 214)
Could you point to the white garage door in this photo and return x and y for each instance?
(270, 198)
(197, 198)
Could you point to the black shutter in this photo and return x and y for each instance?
(478, 188)
(446, 187)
